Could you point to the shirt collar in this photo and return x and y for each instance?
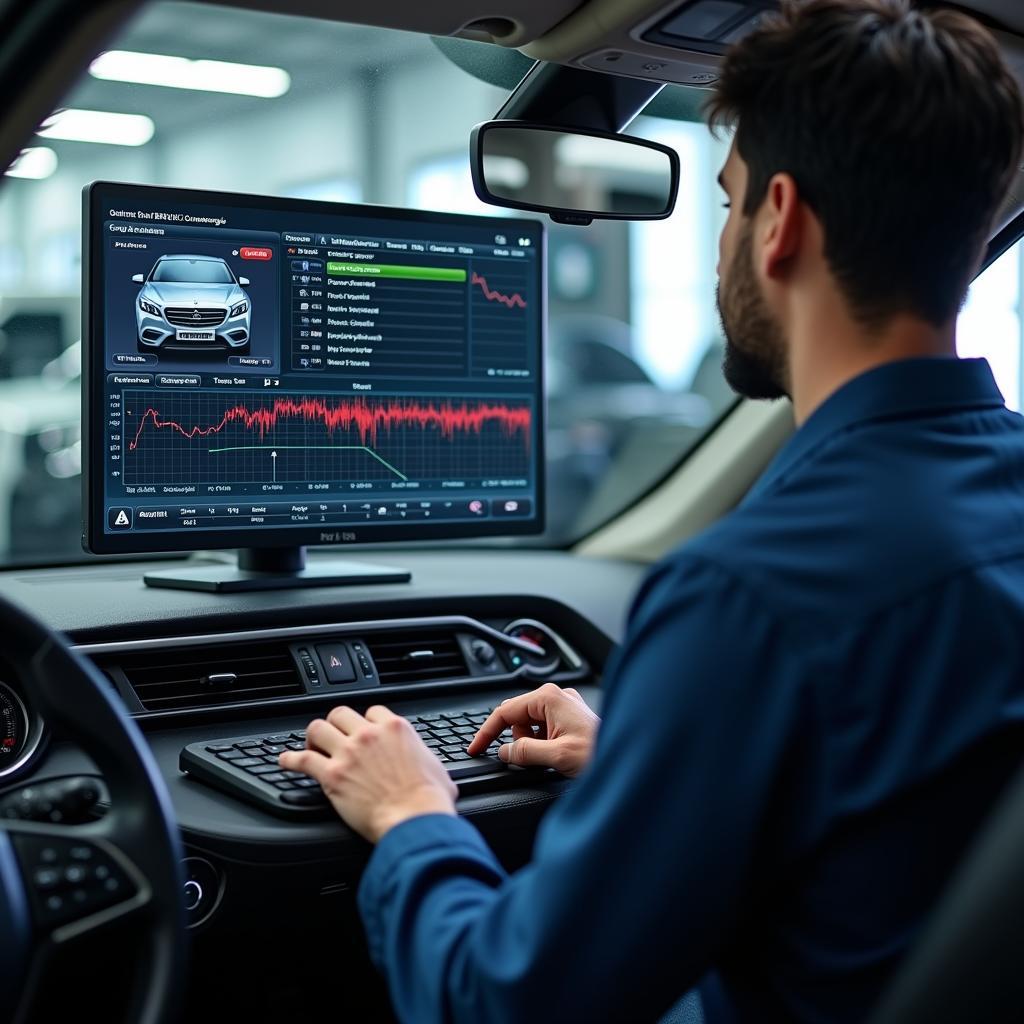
(894, 390)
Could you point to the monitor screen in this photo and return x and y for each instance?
(272, 372)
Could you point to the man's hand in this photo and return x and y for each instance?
(563, 738)
(375, 770)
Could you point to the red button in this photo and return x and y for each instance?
(253, 252)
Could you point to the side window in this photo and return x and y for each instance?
(991, 323)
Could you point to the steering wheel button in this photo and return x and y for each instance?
(46, 878)
(80, 853)
(74, 874)
(54, 903)
(100, 872)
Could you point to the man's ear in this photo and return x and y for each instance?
(781, 230)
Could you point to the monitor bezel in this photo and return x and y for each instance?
(98, 194)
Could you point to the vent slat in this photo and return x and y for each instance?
(392, 655)
(171, 678)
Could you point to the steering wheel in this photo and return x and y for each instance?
(63, 884)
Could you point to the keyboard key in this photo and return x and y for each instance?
(460, 755)
(459, 721)
(430, 718)
(246, 762)
(242, 744)
(421, 726)
(474, 766)
(432, 742)
(452, 748)
(286, 784)
(300, 735)
(273, 748)
(274, 777)
(295, 775)
(253, 751)
(271, 758)
(296, 745)
(304, 798)
(261, 769)
(281, 737)
(219, 748)
(307, 783)
(231, 755)
(466, 730)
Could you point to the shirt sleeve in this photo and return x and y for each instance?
(640, 871)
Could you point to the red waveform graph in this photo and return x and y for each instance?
(513, 300)
(358, 416)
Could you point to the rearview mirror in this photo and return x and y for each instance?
(244, 282)
(139, 278)
(574, 175)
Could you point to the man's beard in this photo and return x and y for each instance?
(755, 349)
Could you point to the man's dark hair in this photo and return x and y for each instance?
(902, 129)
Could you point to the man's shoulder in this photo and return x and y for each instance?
(871, 520)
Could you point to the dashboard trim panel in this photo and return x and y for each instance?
(578, 667)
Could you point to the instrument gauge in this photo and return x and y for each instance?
(546, 654)
(14, 728)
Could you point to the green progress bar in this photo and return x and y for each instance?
(313, 447)
(395, 270)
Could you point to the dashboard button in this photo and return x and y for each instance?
(337, 663)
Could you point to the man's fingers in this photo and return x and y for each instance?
(526, 751)
(345, 719)
(324, 737)
(379, 713)
(514, 711)
(310, 762)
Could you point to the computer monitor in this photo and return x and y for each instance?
(264, 373)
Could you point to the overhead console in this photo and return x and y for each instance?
(680, 42)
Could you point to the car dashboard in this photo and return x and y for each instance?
(194, 668)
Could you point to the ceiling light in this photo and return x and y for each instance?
(35, 162)
(183, 73)
(98, 126)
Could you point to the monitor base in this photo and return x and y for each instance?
(273, 569)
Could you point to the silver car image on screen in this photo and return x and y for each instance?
(192, 302)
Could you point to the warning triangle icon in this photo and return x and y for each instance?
(122, 518)
(334, 661)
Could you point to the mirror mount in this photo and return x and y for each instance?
(567, 97)
(580, 220)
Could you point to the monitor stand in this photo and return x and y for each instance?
(273, 569)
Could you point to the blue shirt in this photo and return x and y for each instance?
(812, 709)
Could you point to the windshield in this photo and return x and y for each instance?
(199, 96)
(192, 272)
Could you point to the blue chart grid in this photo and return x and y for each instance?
(205, 437)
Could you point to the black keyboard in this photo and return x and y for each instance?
(247, 766)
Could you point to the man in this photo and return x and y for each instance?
(817, 699)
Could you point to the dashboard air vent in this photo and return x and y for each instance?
(199, 677)
(417, 657)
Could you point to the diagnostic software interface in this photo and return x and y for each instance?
(335, 373)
